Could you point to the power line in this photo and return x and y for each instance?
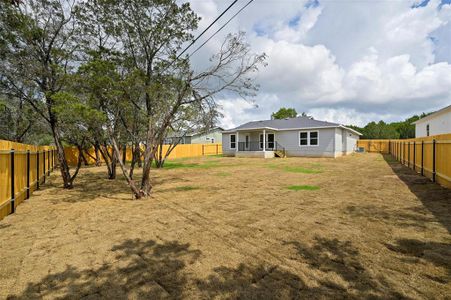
(206, 29)
(222, 27)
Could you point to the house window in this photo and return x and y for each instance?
(308, 138)
(261, 141)
(303, 138)
(314, 138)
(233, 141)
(427, 130)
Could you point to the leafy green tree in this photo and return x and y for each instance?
(283, 113)
(38, 43)
(151, 32)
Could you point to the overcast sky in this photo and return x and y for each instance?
(345, 61)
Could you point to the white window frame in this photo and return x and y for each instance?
(232, 142)
(317, 138)
(308, 138)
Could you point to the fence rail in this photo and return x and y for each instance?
(429, 156)
(180, 151)
(22, 169)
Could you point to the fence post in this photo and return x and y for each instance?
(203, 150)
(43, 165)
(124, 154)
(422, 158)
(408, 154)
(389, 147)
(37, 169)
(217, 149)
(13, 193)
(414, 154)
(28, 174)
(433, 160)
(48, 163)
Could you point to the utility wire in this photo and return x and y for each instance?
(206, 29)
(222, 27)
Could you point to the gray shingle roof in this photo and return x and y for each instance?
(289, 123)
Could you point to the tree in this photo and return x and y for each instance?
(305, 115)
(20, 123)
(150, 33)
(39, 41)
(283, 113)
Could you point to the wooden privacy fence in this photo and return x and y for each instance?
(430, 156)
(22, 169)
(180, 151)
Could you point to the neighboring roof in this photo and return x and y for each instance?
(434, 114)
(289, 124)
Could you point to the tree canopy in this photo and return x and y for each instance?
(107, 73)
(283, 113)
(395, 130)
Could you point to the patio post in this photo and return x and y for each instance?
(237, 141)
(264, 140)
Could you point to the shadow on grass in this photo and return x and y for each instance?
(437, 253)
(142, 270)
(437, 200)
(150, 270)
(434, 197)
(406, 217)
(89, 185)
(342, 258)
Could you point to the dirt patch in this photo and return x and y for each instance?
(230, 228)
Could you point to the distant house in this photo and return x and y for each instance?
(211, 136)
(299, 136)
(438, 122)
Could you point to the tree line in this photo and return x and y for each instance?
(106, 73)
(373, 130)
(394, 130)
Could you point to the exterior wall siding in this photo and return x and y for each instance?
(332, 142)
(326, 143)
(440, 124)
(212, 137)
(226, 150)
(351, 141)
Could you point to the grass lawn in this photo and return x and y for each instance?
(360, 226)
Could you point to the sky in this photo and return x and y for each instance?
(344, 61)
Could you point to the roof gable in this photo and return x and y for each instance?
(446, 109)
(288, 123)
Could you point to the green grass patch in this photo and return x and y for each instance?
(169, 165)
(223, 174)
(186, 188)
(302, 170)
(303, 187)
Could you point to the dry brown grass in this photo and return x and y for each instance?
(231, 228)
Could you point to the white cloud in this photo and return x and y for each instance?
(342, 61)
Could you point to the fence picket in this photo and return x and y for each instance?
(435, 155)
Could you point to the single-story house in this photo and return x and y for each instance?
(211, 136)
(438, 122)
(300, 136)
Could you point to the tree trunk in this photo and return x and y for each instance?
(117, 154)
(83, 157)
(136, 157)
(64, 166)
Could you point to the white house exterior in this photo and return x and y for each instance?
(435, 123)
(299, 136)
